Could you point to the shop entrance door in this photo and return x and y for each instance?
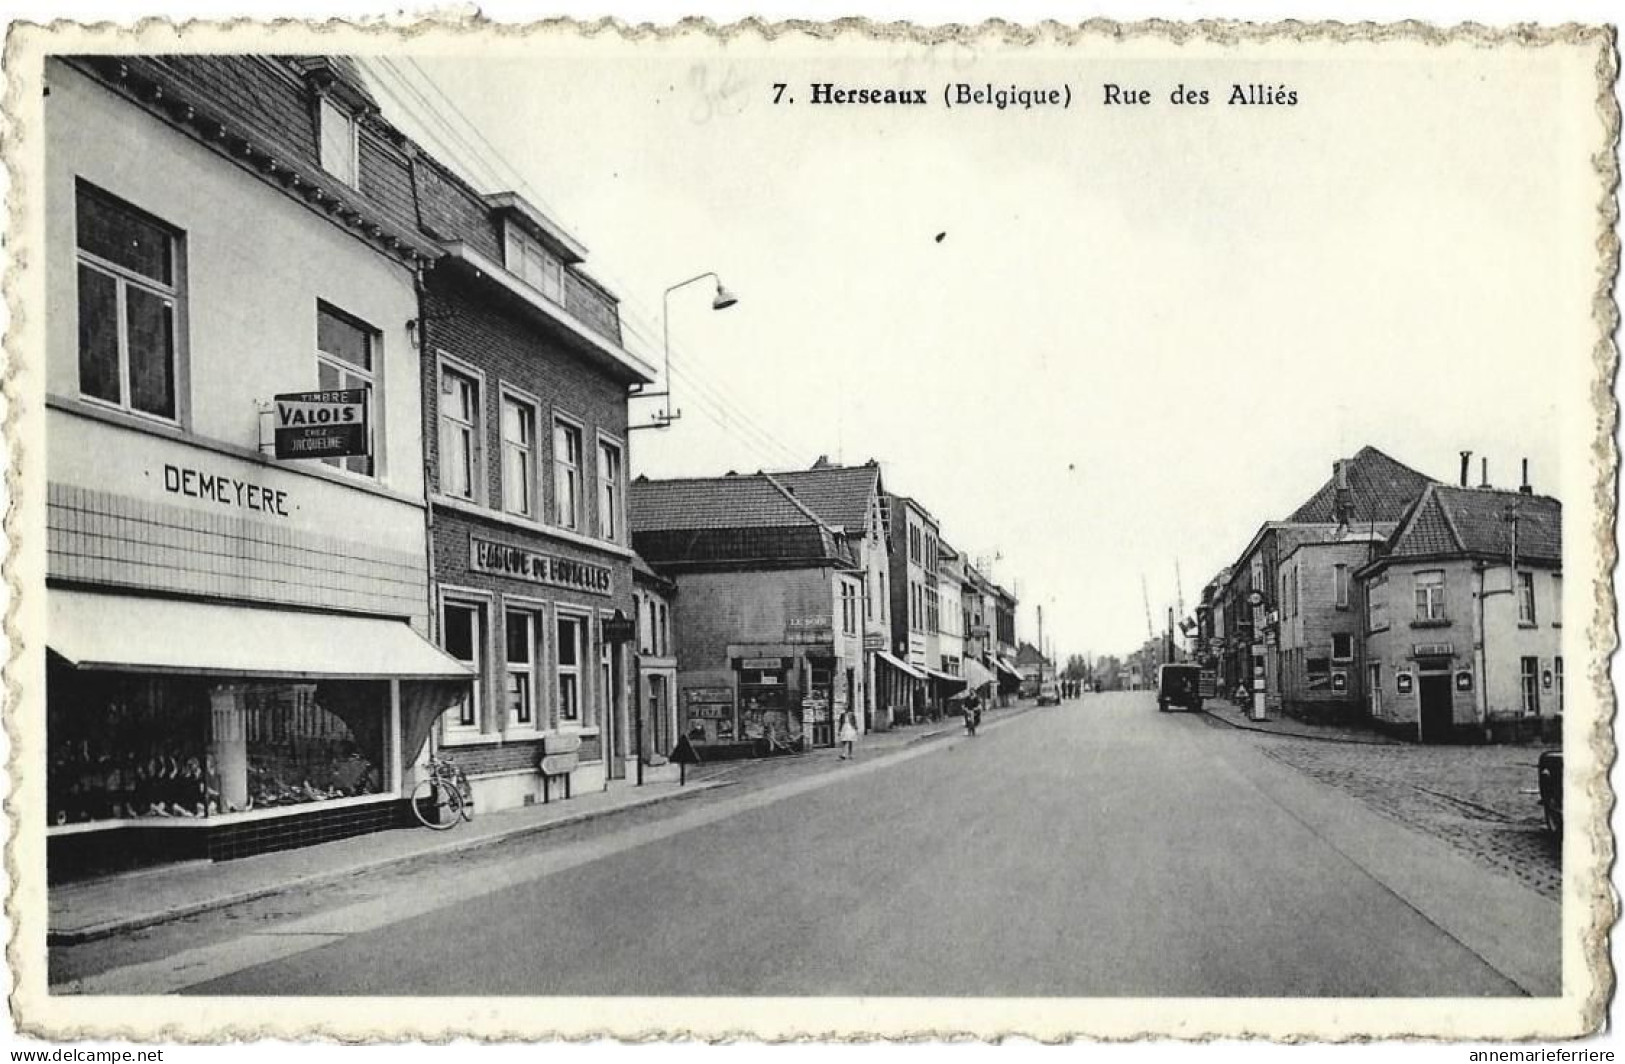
(1436, 706)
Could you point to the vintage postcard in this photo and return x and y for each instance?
(798, 530)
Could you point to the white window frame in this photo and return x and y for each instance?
(1435, 595)
(445, 364)
(530, 260)
(1524, 581)
(560, 419)
(1374, 695)
(514, 397)
(663, 629)
(583, 622)
(1529, 685)
(1340, 586)
(363, 378)
(452, 731)
(535, 619)
(604, 696)
(643, 608)
(124, 279)
(614, 506)
(347, 170)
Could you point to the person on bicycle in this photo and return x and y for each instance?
(973, 714)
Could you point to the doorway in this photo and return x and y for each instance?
(1437, 706)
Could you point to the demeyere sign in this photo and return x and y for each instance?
(322, 424)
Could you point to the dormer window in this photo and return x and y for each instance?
(534, 264)
(339, 148)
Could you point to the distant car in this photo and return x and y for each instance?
(1550, 774)
(1049, 693)
(1179, 685)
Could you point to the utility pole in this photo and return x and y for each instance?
(1150, 633)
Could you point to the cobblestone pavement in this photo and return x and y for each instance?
(1240, 715)
(1476, 798)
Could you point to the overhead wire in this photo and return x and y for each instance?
(637, 323)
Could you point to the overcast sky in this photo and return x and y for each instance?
(1145, 330)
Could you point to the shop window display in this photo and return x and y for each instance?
(764, 711)
(125, 746)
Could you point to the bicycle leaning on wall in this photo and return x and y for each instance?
(443, 798)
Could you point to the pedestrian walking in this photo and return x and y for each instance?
(848, 734)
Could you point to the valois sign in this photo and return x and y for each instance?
(322, 424)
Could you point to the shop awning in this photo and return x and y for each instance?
(976, 674)
(945, 677)
(900, 665)
(1007, 668)
(133, 634)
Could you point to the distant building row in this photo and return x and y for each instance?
(1431, 611)
(804, 594)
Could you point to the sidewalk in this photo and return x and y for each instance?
(1222, 709)
(110, 905)
(98, 908)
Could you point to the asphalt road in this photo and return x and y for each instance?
(1096, 849)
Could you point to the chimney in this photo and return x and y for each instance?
(1343, 499)
(1484, 465)
(1525, 488)
(1466, 463)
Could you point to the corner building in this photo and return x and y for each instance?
(237, 657)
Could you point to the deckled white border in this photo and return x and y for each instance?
(213, 1020)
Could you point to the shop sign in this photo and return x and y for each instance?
(1433, 650)
(1546, 679)
(1340, 681)
(225, 490)
(329, 424)
(762, 663)
(1404, 681)
(484, 556)
(1464, 680)
(564, 743)
(709, 711)
(618, 629)
(809, 630)
(698, 695)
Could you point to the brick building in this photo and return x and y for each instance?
(524, 381)
(655, 732)
(849, 500)
(238, 658)
(1365, 495)
(1321, 627)
(915, 605)
(1463, 622)
(768, 611)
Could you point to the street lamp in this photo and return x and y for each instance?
(724, 299)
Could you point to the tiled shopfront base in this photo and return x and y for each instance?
(139, 845)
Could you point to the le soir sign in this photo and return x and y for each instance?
(329, 424)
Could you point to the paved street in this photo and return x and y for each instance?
(1098, 848)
